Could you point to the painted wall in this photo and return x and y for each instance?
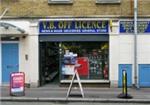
(113, 59)
(29, 56)
(121, 52)
(144, 49)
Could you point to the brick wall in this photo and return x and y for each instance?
(79, 8)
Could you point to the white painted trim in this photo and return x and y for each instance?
(60, 1)
(10, 42)
(75, 19)
(86, 81)
(108, 1)
(90, 19)
(133, 20)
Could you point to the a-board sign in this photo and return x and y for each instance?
(17, 81)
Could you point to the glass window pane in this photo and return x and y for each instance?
(93, 57)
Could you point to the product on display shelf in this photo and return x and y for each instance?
(69, 60)
(96, 67)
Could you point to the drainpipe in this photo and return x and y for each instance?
(135, 45)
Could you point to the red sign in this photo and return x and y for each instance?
(84, 69)
(17, 83)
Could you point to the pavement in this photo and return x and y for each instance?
(54, 93)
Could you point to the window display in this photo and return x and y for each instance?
(93, 57)
(68, 63)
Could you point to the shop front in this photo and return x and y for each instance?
(82, 41)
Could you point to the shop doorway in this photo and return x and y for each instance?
(49, 63)
(52, 56)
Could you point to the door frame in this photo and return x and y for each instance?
(9, 42)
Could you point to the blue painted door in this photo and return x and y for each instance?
(10, 60)
(144, 75)
(128, 69)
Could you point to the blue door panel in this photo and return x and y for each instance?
(10, 60)
(144, 75)
(128, 69)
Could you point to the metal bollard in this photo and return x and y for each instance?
(124, 93)
(124, 82)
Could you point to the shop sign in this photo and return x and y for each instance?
(73, 27)
(128, 27)
(17, 83)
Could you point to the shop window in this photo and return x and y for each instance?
(108, 1)
(92, 56)
(60, 1)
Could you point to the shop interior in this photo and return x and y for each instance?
(93, 57)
